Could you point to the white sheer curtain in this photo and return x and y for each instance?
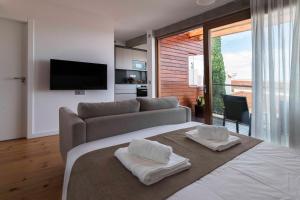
(276, 71)
(294, 102)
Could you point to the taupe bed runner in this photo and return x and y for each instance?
(99, 175)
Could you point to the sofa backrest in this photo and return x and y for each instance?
(107, 126)
(147, 104)
(91, 110)
(114, 118)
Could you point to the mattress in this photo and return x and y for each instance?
(264, 172)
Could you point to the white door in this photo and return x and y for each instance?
(12, 88)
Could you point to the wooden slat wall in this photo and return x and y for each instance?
(173, 67)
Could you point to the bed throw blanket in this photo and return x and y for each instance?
(100, 175)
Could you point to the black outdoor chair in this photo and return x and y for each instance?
(236, 109)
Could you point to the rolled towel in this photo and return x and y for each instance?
(217, 133)
(151, 150)
(149, 171)
(215, 145)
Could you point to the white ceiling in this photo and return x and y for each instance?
(134, 17)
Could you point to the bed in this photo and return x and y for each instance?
(265, 171)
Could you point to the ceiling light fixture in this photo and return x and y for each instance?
(205, 2)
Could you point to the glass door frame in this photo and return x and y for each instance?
(207, 26)
(229, 19)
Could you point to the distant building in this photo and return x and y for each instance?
(242, 88)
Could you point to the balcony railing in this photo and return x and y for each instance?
(247, 86)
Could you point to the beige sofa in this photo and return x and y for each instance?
(100, 120)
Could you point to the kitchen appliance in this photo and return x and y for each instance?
(139, 65)
(141, 91)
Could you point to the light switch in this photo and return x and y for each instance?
(79, 92)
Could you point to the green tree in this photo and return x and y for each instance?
(218, 75)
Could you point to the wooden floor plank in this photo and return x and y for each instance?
(31, 169)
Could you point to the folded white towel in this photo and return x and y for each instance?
(151, 150)
(214, 145)
(218, 133)
(149, 171)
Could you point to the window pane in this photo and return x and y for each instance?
(196, 70)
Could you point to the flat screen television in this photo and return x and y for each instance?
(71, 75)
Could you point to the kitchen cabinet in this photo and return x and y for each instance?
(139, 55)
(125, 88)
(124, 57)
(123, 97)
(125, 92)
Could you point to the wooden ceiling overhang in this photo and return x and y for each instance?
(229, 29)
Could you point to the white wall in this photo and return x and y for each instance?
(68, 34)
(151, 64)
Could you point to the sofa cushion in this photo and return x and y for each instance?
(90, 110)
(147, 104)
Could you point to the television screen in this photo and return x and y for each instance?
(71, 75)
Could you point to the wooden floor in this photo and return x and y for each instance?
(31, 169)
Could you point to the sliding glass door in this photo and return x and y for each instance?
(203, 64)
(230, 73)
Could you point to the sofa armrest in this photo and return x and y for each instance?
(72, 130)
(188, 113)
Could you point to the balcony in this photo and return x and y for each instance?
(238, 88)
(181, 67)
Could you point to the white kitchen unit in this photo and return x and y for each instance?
(139, 55)
(122, 97)
(125, 57)
(125, 92)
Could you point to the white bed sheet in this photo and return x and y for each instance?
(265, 172)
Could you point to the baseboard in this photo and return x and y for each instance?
(43, 134)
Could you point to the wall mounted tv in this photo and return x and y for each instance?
(71, 75)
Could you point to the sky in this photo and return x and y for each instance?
(237, 51)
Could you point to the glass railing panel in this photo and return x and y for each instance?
(218, 90)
